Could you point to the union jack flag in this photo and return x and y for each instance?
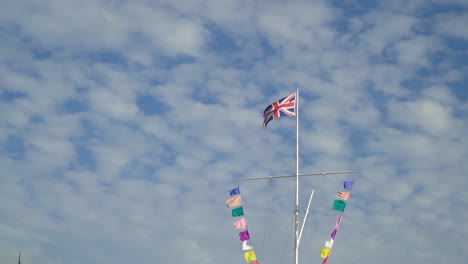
(283, 107)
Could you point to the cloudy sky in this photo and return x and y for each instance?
(124, 124)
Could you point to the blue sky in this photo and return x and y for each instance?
(124, 123)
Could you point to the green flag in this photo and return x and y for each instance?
(237, 211)
(339, 205)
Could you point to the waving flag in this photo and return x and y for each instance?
(244, 235)
(250, 256)
(234, 191)
(283, 107)
(339, 205)
(343, 195)
(324, 252)
(239, 211)
(240, 224)
(348, 185)
(234, 201)
(245, 246)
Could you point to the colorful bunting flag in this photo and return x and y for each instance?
(324, 252)
(254, 262)
(333, 233)
(343, 195)
(329, 243)
(244, 235)
(348, 185)
(339, 205)
(325, 260)
(234, 201)
(246, 246)
(240, 224)
(234, 191)
(239, 211)
(250, 256)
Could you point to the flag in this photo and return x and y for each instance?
(239, 211)
(324, 252)
(283, 107)
(240, 223)
(325, 260)
(329, 243)
(348, 185)
(244, 235)
(245, 246)
(343, 196)
(339, 205)
(234, 201)
(250, 256)
(234, 191)
(254, 262)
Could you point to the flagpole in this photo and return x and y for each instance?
(296, 212)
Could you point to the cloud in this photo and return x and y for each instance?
(125, 123)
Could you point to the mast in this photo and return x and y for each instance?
(296, 211)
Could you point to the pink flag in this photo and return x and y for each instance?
(244, 235)
(240, 223)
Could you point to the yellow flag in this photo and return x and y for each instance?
(324, 252)
(250, 256)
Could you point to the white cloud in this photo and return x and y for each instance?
(429, 115)
(90, 174)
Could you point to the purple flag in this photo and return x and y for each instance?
(234, 191)
(244, 235)
(348, 185)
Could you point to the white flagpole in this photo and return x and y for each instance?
(296, 242)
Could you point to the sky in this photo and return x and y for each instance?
(124, 124)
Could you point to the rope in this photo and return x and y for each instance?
(288, 233)
(267, 216)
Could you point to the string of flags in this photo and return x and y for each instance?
(339, 204)
(240, 223)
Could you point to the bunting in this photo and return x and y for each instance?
(244, 235)
(234, 191)
(235, 202)
(348, 185)
(339, 205)
(250, 256)
(245, 246)
(343, 196)
(240, 224)
(239, 211)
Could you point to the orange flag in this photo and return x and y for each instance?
(234, 201)
(343, 195)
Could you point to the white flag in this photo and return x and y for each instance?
(245, 246)
(329, 244)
